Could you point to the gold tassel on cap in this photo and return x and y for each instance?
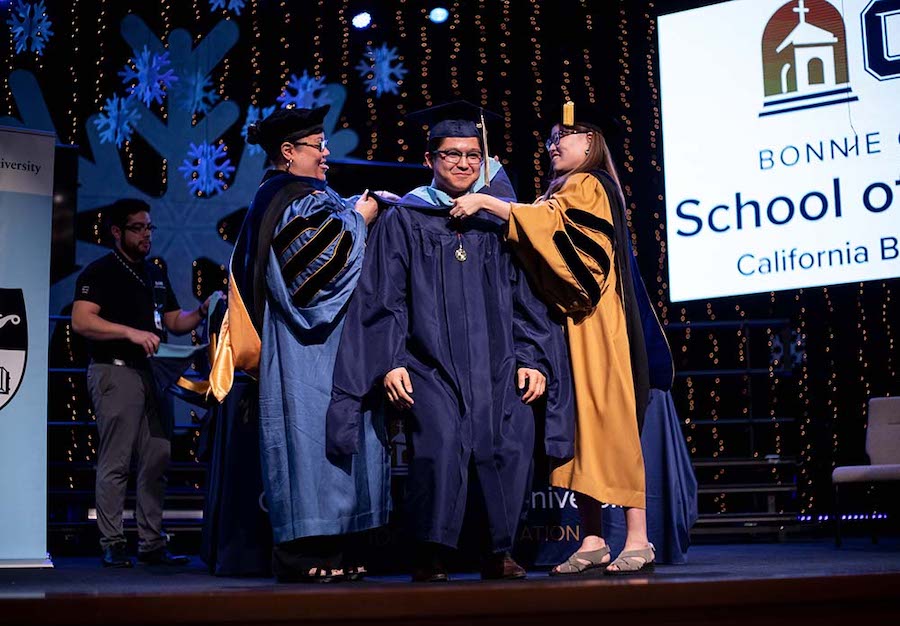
(487, 154)
(568, 117)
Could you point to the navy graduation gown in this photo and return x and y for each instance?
(461, 329)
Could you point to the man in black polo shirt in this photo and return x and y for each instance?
(123, 305)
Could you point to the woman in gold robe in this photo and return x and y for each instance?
(573, 243)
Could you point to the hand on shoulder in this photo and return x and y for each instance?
(367, 207)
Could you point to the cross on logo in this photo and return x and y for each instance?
(801, 10)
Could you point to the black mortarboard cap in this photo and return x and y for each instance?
(286, 124)
(457, 119)
(454, 119)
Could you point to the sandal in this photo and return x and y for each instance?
(356, 573)
(582, 562)
(315, 575)
(633, 562)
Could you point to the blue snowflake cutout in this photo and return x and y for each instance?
(255, 114)
(205, 168)
(379, 69)
(196, 93)
(227, 5)
(151, 76)
(115, 123)
(303, 92)
(30, 26)
(188, 222)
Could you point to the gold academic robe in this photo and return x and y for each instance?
(566, 245)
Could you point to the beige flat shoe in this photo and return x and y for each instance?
(581, 562)
(633, 562)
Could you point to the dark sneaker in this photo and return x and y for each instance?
(116, 555)
(501, 566)
(161, 556)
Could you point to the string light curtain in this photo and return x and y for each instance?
(520, 59)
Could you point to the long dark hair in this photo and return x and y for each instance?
(596, 159)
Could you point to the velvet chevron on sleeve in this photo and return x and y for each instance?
(570, 241)
(315, 255)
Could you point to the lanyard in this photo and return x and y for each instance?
(157, 318)
(132, 272)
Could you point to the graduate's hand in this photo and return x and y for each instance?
(398, 388)
(536, 382)
(367, 207)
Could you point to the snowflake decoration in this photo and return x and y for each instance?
(196, 94)
(30, 26)
(205, 168)
(116, 124)
(380, 71)
(303, 92)
(227, 5)
(188, 222)
(151, 76)
(255, 114)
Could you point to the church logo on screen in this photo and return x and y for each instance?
(13, 343)
(804, 55)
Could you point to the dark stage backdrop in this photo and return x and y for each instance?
(772, 389)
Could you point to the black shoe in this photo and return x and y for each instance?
(432, 574)
(501, 566)
(161, 556)
(429, 565)
(116, 555)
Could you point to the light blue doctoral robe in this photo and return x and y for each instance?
(314, 263)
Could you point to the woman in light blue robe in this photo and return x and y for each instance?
(309, 242)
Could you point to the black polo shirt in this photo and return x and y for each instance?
(127, 293)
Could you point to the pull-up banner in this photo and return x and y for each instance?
(26, 206)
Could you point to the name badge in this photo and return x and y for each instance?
(157, 320)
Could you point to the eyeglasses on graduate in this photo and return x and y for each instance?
(455, 156)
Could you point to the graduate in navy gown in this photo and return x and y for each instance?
(444, 324)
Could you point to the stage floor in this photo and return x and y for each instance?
(806, 582)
